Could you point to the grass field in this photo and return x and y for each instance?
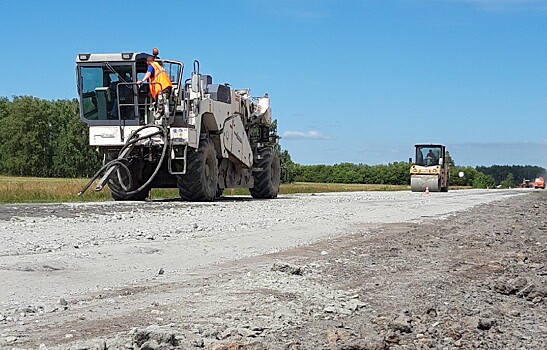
(49, 190)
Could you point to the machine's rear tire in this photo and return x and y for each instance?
(116, 189)
(266, 181)
(445, 189)
(199, 184)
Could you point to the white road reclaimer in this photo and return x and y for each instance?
(204, 138)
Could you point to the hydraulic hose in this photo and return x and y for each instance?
(120, 162)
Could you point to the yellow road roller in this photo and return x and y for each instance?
(430, 170)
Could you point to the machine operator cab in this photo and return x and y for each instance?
(108, 92)
(429, 155)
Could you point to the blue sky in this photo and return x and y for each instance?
(356, 81)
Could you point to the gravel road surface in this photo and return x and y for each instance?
(363, 270)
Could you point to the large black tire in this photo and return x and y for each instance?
(220, 192)
(266, 181)
(199, 184)
(117, 190)
(445, 189)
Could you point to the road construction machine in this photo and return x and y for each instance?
(430, 171)
(526, 184)
(539, 182)
(199, 136)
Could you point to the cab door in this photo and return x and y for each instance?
(174, 70)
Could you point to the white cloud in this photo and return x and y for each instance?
(305, 135)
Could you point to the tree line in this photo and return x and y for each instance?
(47, 139)
(44, 139)
(518, 173)
(397, 173)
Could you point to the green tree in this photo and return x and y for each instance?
(483, 181)
(44, 138)
(4, 106)
(344, 173)
(509, 181)
(288, 167)
(25, 148)
(400, 173)
(72, 156)
(393, 174)
(469, 174)
(520, 172)
(449, 160)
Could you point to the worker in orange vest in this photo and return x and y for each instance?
(158, 79)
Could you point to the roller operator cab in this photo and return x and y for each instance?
(430, 170)
(197, 136)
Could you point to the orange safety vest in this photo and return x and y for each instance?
(160, 81)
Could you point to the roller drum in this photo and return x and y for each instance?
(418, 183)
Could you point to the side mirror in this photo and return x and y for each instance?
(440, 161)
(409, 160)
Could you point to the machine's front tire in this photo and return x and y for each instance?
(199, 184)
(220, 192)
(266, 181)
(116, 189)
